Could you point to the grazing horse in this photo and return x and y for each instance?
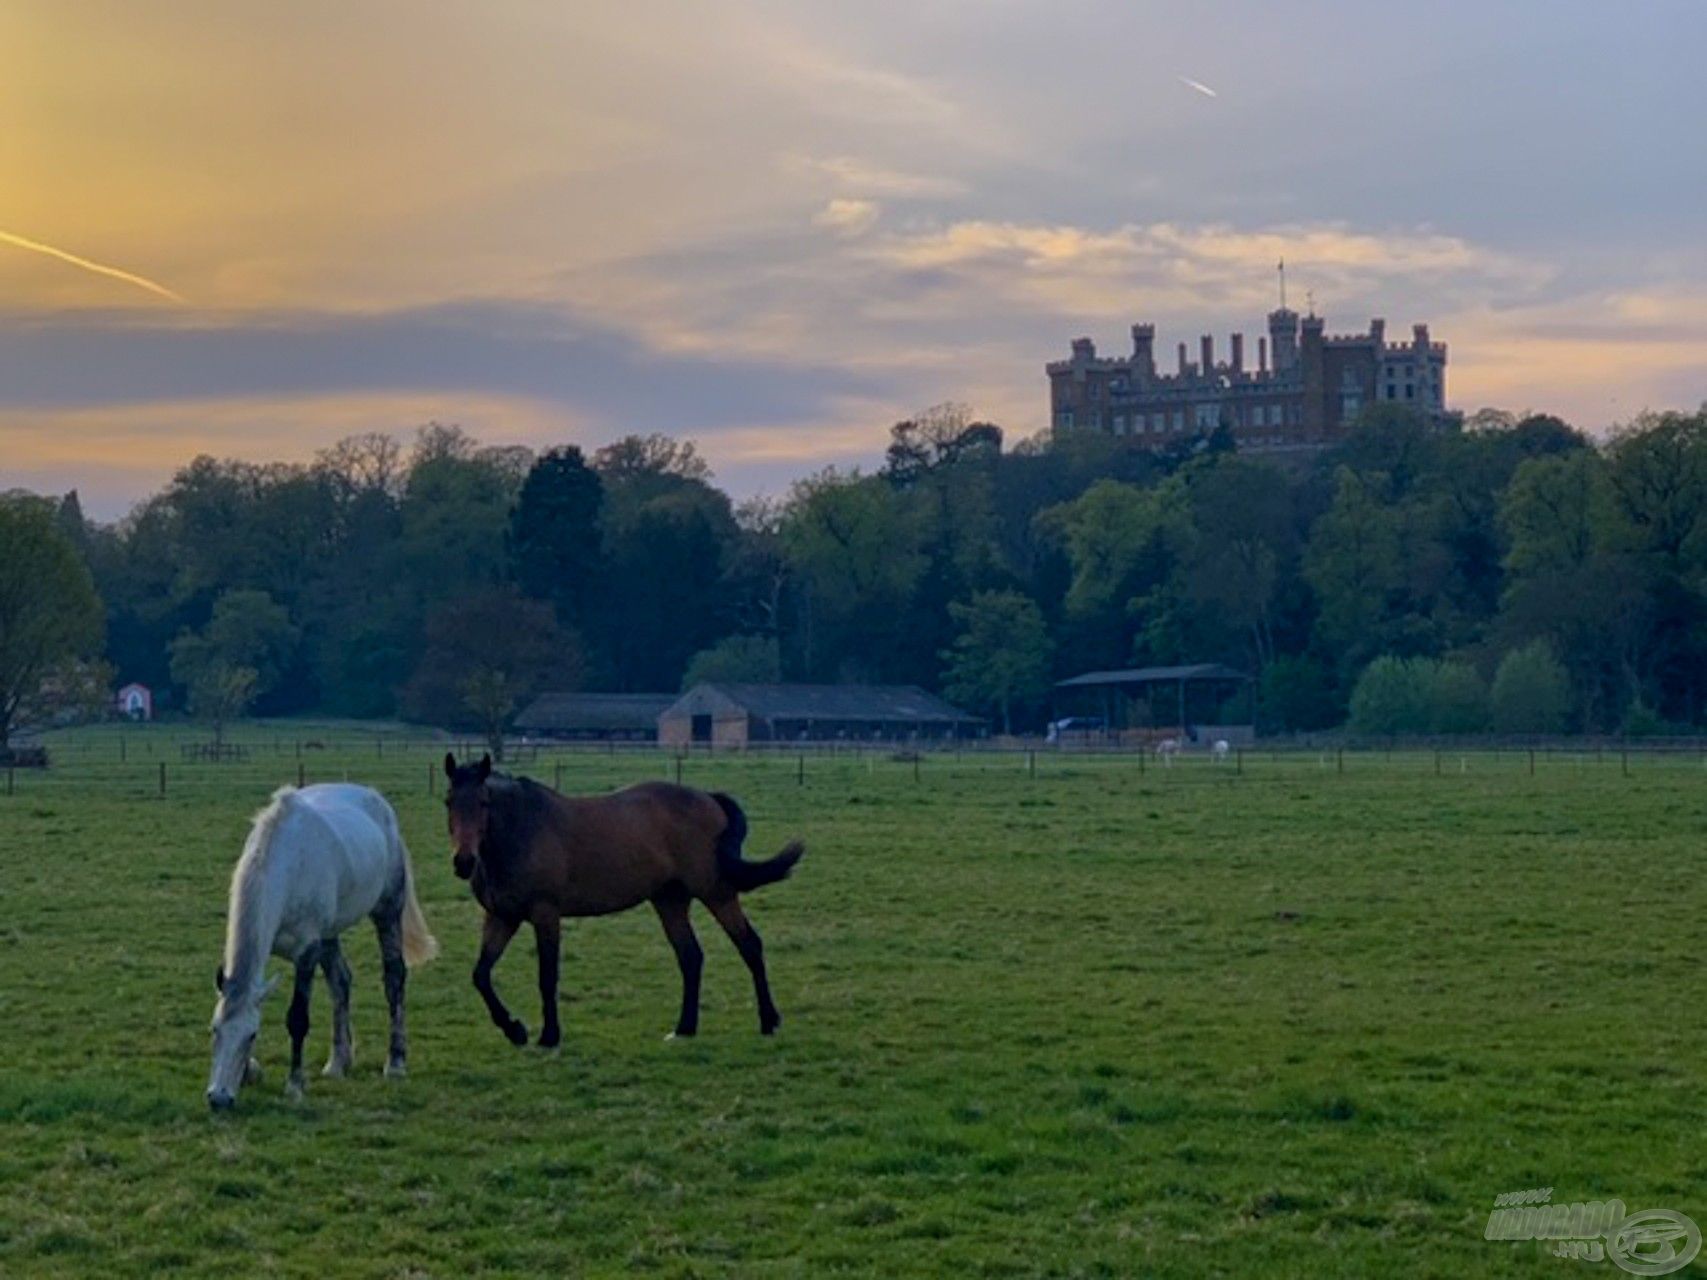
(533, 856)
(1221, 750)
(317, 861)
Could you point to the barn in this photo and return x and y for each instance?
(738, 714)
(595, 717)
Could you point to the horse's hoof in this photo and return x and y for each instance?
(679, 1034)
(252, 1072)
(396, 1071)
(335, 1069)
(293, 1090)
(518, 1033)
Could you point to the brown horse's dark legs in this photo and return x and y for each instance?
(752, 949)
(296, 1020)
(547, 932)
(495, 935)
(672, 911)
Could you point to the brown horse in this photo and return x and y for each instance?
(533, 856)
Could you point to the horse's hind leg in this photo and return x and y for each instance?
(752, 949)
(672, 909)
(296, 1021)
(548, 936)
(396, 973)
(337, 971)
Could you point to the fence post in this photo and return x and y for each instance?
(162, 777)
(800, 775)
(11, 781)
(1532, 762)
(1239, 760)
(121, 748)
(1341, 759)
(557, 776)
(1031, 762)
(1437, 762)
(678, 769)
(301, 777)
(915, 766)
(430, 772)
(1625, 757)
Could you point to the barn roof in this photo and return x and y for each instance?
(1155, 675)
(594, 711)
(878, 702)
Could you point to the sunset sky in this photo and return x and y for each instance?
(777, 227)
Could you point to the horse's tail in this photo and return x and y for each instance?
(419, 945)
(738, 871)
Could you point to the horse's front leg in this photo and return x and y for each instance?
(337, 971)
(548, 932)
(495, 935)
(296, 1021)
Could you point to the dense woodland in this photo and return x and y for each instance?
(1510, 575)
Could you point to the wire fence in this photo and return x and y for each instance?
(169, 762)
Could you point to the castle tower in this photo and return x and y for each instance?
(1283, 339)
(1315, 378)
(1144, 352)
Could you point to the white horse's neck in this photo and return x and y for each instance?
(259, 888)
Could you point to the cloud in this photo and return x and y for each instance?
(848, 217)
(866, 178)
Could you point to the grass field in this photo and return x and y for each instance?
(1189, 1022)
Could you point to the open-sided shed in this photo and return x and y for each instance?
(619, 717)
(736, 714)
(1199, 703)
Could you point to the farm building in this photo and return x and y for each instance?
(602, 717)
(736, 714)
(1196, 704)
(134, 702)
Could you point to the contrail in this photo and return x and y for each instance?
(141, 282)
(1202, 88)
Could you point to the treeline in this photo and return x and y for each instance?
(448, 581)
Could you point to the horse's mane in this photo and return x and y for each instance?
(245, 900)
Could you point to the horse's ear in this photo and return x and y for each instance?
(450, 765)
(483, 770)
(219, 979)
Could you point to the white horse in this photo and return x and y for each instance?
(1167, 749)
(316, 861)
(1221, 750)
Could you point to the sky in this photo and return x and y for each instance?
(777, 228)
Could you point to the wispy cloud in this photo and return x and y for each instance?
(848, 217)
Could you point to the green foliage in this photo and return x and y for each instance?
(50, 616)
(1297, 695)
(735, 660)
(1418, 696)
(1000, 660)
(485, 656)
(1532, 691)
(556, 537)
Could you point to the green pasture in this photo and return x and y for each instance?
(1291, 1016)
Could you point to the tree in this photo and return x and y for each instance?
(1391, 697)
(50, 616)
(1532, 691)
(735, 660)
(485, 655)
(238, 657)
(1297, 695)
(649, 457)
(555, 534)
(1001, 658)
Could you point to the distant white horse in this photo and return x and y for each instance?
(1167, 749)
(316, 861)
(1221, 750)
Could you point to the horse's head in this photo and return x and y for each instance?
(468, 802)
(236, 1022)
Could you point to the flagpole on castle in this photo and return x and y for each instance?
(1282, 270)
